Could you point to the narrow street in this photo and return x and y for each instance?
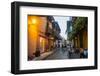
(60, 53)
(63, 53)
(57, 37)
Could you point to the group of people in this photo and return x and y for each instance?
(82, 53)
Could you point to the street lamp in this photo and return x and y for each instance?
(34, 21)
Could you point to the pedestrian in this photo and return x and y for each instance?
(37, 53)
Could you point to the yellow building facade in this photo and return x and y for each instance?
(37, 38)
(36, 34)
(81, 40)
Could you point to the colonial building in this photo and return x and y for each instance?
(79, 33)
(81, 37)
(36, 35)
(43, 31)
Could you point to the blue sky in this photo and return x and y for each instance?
(62, 21)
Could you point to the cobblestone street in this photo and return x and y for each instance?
(60, 53)
(63, 53)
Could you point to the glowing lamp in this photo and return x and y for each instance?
(34, 21)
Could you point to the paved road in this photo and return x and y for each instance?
(60, 53)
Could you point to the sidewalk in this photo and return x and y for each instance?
(44, 55)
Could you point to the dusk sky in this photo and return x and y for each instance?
(62, 21)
